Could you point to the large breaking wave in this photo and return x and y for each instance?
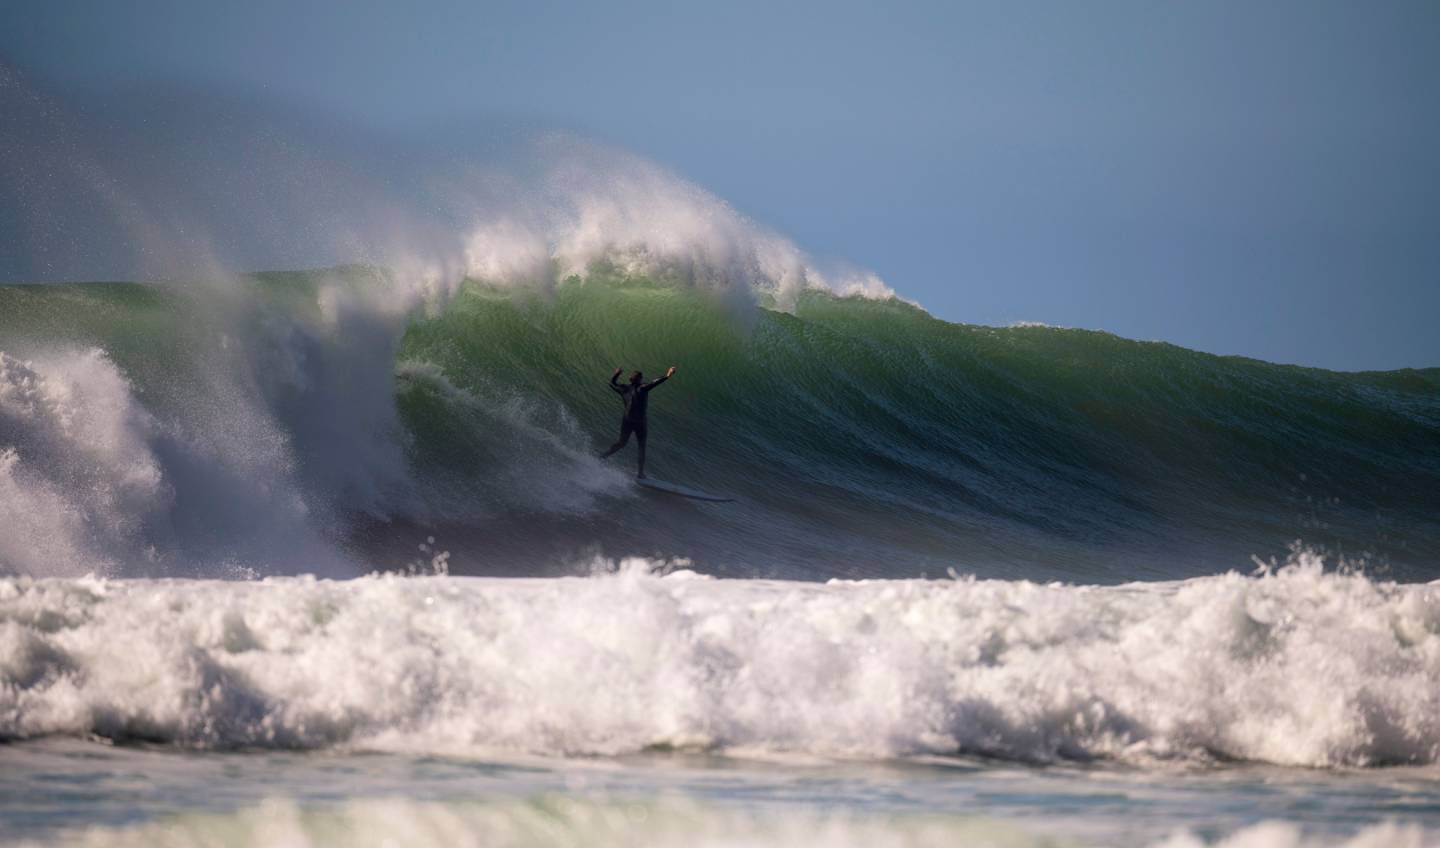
(453, 386)
(297, 423)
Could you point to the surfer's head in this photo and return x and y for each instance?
(636, 377)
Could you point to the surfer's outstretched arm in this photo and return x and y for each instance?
(653, 383)
(613, 381)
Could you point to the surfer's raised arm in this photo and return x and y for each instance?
(653, 383)
(614, 380)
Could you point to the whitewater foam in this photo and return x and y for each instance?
(93, 481)
(1298, 667)
(77, 476)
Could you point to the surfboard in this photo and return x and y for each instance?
(682, 491)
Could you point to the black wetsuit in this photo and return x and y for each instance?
(636, 399)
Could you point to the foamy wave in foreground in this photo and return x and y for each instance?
(1298, 667)
(562, 821)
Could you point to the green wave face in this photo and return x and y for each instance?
(866, 438)
(860, 438)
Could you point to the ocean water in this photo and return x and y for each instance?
(328, 557)
(76, 793)
(637, 707)
(289, 567)
(306, 423)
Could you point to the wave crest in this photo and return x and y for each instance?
(593, 207)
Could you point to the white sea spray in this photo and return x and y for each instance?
(1298, 667)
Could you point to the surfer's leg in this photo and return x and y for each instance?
(640, 440)
(625, 429)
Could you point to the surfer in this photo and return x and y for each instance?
(635, 396)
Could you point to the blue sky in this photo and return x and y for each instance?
(1249, 178)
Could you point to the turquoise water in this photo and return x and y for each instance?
(861, 438)
(78, 793)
